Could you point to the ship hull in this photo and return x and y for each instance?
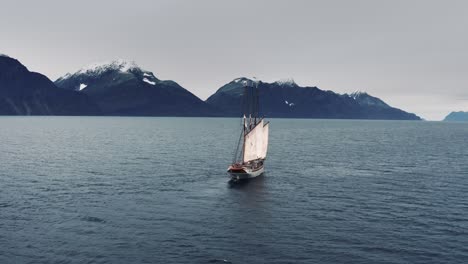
(246, 171)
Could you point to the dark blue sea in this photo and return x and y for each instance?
(155, 190)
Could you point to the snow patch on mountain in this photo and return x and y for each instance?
(99, 68)
(356, 94)
(286, 82)
(148, 81)
(281, 82)
(82, 86)
(242, 80)
(289, 103)
(364, 98)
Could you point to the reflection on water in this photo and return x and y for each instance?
(250, 196)
(247, 184)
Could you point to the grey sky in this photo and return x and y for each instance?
(412, 54)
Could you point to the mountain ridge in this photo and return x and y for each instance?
(288, 99)
(122, 88)
(23, 92)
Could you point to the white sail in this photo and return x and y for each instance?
(256, 143)
(265, 140)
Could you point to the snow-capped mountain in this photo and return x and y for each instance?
(114, 71)
(285, 98)
(121, 87)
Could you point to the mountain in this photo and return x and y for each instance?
(287, 99)
(457, 116)
(122, 88)
(29, 93)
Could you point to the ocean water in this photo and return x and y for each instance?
(155, 190)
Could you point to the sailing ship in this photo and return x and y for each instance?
(252, 146)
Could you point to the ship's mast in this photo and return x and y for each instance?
(257, 105)
(244, 124)
(250, 114)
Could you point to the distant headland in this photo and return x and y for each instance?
(457, 116)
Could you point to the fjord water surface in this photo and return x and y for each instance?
(154, 190)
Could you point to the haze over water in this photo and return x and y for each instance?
(155, 190)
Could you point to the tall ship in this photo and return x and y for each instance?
(251, 149)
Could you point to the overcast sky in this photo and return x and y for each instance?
(412, 54)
